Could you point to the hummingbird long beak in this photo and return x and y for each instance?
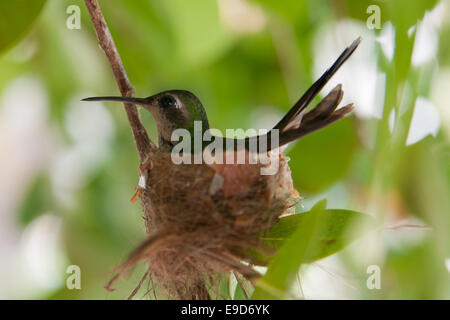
(140, 101)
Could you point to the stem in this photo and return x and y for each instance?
(143, 143)
(389, 146)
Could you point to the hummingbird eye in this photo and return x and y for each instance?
(167, 102)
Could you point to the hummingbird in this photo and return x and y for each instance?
(180, 109)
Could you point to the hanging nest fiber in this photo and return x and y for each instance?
(203, 220)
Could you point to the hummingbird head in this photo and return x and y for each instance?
(172, 109)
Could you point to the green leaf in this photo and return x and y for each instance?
(243, 288)
(304, 238)
(290, 256)
(222, 292)
(336, 232)
(16, 18)
(239, 293)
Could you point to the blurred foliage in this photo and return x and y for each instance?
(318, 170)
(38, 197)
(196, 46)
(338, 229)
(16, 18)
(304, 238)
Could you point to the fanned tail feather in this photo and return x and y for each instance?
(296, 123)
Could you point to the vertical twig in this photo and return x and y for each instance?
(143, 143)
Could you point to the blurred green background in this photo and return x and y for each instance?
(68, 169)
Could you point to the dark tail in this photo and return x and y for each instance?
(296, 123)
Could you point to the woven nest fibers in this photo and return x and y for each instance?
(203, 220)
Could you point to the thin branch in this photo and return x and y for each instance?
(143, 143)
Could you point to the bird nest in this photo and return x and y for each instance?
(204, 220)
